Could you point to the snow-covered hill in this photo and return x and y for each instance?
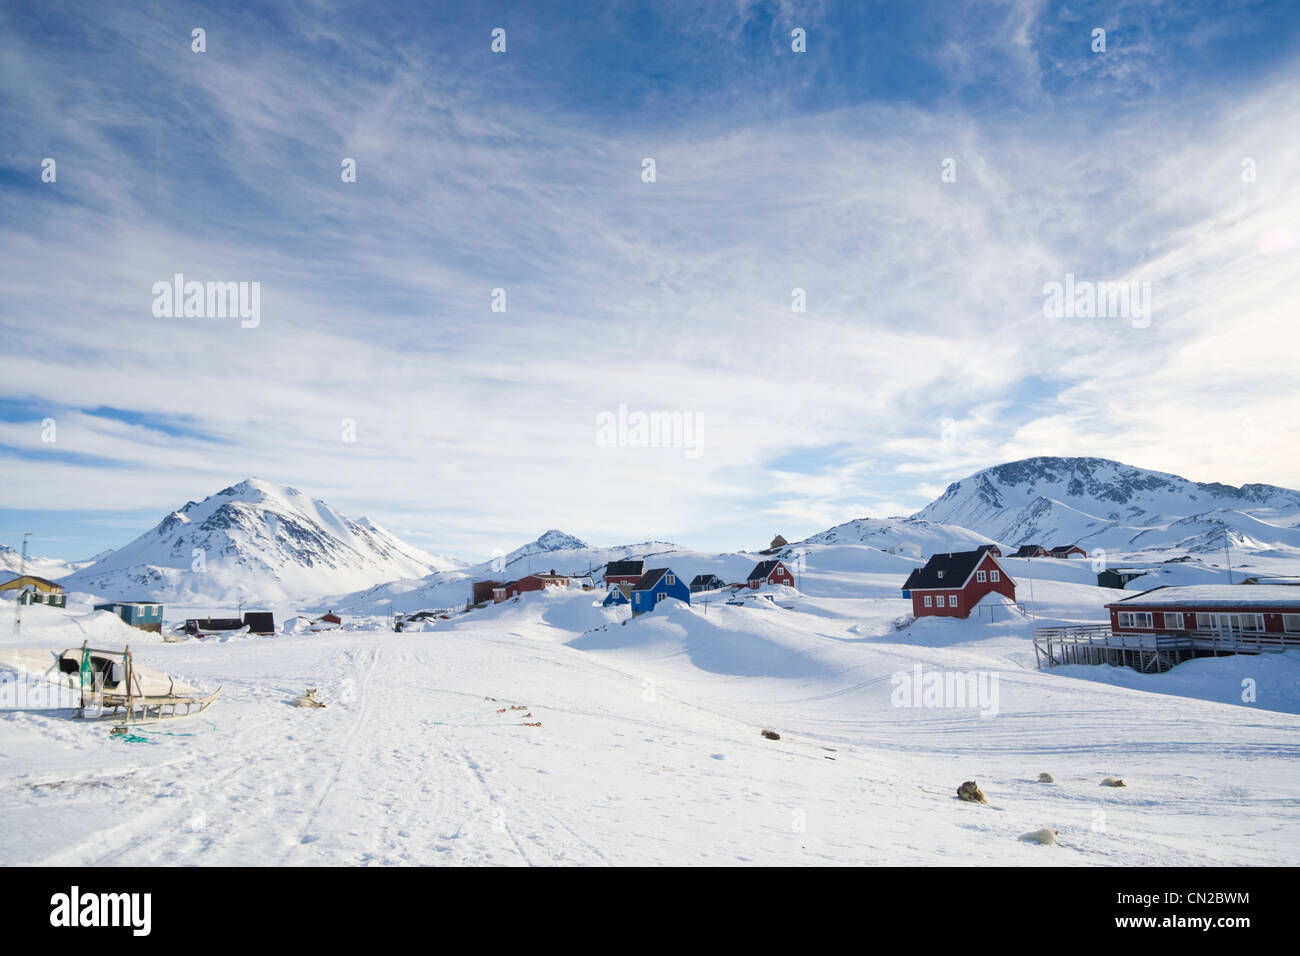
(52, 569)
(257, 541)
(638, 741)
(904, 535)
(553, 550)
(1101, 503)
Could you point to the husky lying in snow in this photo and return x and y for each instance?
(1046, 836)
(1112, 782)
(307, 699)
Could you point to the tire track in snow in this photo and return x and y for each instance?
(345, 754)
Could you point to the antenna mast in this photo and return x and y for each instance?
(22, 571)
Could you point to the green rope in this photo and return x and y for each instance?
(139, 735)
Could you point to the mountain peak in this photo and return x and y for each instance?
(269, 540)
(1096, 502)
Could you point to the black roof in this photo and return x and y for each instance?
(945, 570)
(625, 567)
(260, 622)
(763, 569)
(1028, 550)
(214, 623)
(704, 578)
(1066, 547)
(650, 579)
(987, 547)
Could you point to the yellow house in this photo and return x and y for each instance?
(33, 590)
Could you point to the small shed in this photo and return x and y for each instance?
(1118, 577)
(260, 622)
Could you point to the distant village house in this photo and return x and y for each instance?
(950, 585)
(769, 572)
(29, 589)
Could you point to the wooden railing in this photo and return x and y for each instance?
(1102, 637)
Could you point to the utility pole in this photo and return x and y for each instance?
(1227, 553)
(22, 570)
(1029, 563)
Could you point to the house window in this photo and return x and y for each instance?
(940, 575)
(1291, 623)
(928, 601)
(1135, 619)
(981, 576)
(995, 576)
(660, 596)
(1174, 620)
(670, 579)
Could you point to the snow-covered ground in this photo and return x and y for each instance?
(649, 749)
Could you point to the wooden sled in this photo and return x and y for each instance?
(137, 695)
(142, 709)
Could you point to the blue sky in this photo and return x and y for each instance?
(923, 354)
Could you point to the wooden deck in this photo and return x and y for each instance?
(1149, 653)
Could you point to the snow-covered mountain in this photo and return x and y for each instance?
(258, 541)
(11, 559)
(1101, 503)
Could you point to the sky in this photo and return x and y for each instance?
(461, 342)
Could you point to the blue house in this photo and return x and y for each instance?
(617, 595)
(654, 586)
(146, 616)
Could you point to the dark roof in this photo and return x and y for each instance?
(214, 623)
(650, 579)
(704, 579)
(260, 622)
(1028, 550)
(1065, 547)
(956, 567)
(625, 567)
(763, 569)
(987, 547)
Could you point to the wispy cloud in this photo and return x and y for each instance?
(924, 298)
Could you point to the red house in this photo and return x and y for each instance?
(1259, 610)
(950, 585)
(531, 582)
(623, 572)
(1067, 551)
(769, 572)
